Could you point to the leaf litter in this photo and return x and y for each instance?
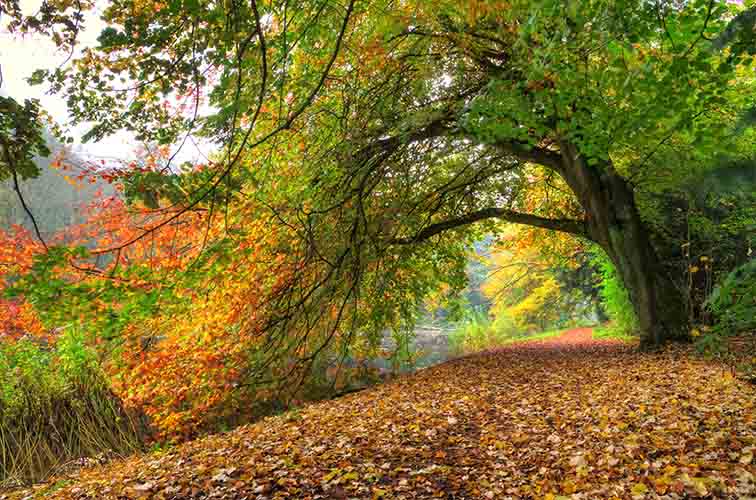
(563, 418)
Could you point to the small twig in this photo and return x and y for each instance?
(17, 189)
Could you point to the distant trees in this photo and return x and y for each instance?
(55, 197)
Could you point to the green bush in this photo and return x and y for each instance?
(471, 334)
(55, 407)
(615, 299)
(733, 305)
(733, 301)
(610, 332)
(478, 333)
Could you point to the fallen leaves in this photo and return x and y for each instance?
(563, 418)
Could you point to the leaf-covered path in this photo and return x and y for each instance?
(567, 417)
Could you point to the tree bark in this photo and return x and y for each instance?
(615, 224)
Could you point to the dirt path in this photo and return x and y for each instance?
(567, 417)
(576, 336)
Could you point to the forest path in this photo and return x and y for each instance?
(565, 417)
(577, 335)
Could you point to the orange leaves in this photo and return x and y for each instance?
(17, 317)
(182, 361)
(193, 371)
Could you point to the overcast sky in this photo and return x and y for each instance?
(19, 57)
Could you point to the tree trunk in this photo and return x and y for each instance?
(615, 224)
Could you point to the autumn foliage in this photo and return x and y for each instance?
(175, 351)
(345, 157)
(17, 316)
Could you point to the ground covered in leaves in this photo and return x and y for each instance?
(568, 417)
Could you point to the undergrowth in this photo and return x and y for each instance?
(479, 333)
(732, 338)
(609, 331)
(55, 407)
(615, 301)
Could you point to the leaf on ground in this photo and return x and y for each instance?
(568, 417)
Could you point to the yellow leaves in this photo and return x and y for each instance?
(340, 476)
(552, 496)
(569, 487)
(523, 407)
(696, 486)
(520, 438)
(662, 484)
(639, 490)
(670, 470)
(578, 461)
(349, 476)
(379, 493)
(475, 10)
(522, 269)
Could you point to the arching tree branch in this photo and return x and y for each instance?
(541, 156)
(571, 226)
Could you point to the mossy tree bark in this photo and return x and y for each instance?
(614, 222)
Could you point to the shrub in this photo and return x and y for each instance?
(471, 334)
(733, 301)
(55, 407)
(733, 305)
(539, 309)
(615, 298)
(477, 332)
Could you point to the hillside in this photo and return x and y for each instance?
(569, 417)
(54, 201)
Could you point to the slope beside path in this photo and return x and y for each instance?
(568, 417)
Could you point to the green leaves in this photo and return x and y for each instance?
(21, 138)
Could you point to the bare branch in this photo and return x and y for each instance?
(26, 208)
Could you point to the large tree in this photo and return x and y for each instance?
(477, 105)
(383, 134)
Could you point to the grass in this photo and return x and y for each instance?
(55, 407)
(611, 332)
(480, 334)
(537, 336)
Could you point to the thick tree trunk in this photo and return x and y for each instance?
(615, 224)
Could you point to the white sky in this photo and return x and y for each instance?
(19, 57)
